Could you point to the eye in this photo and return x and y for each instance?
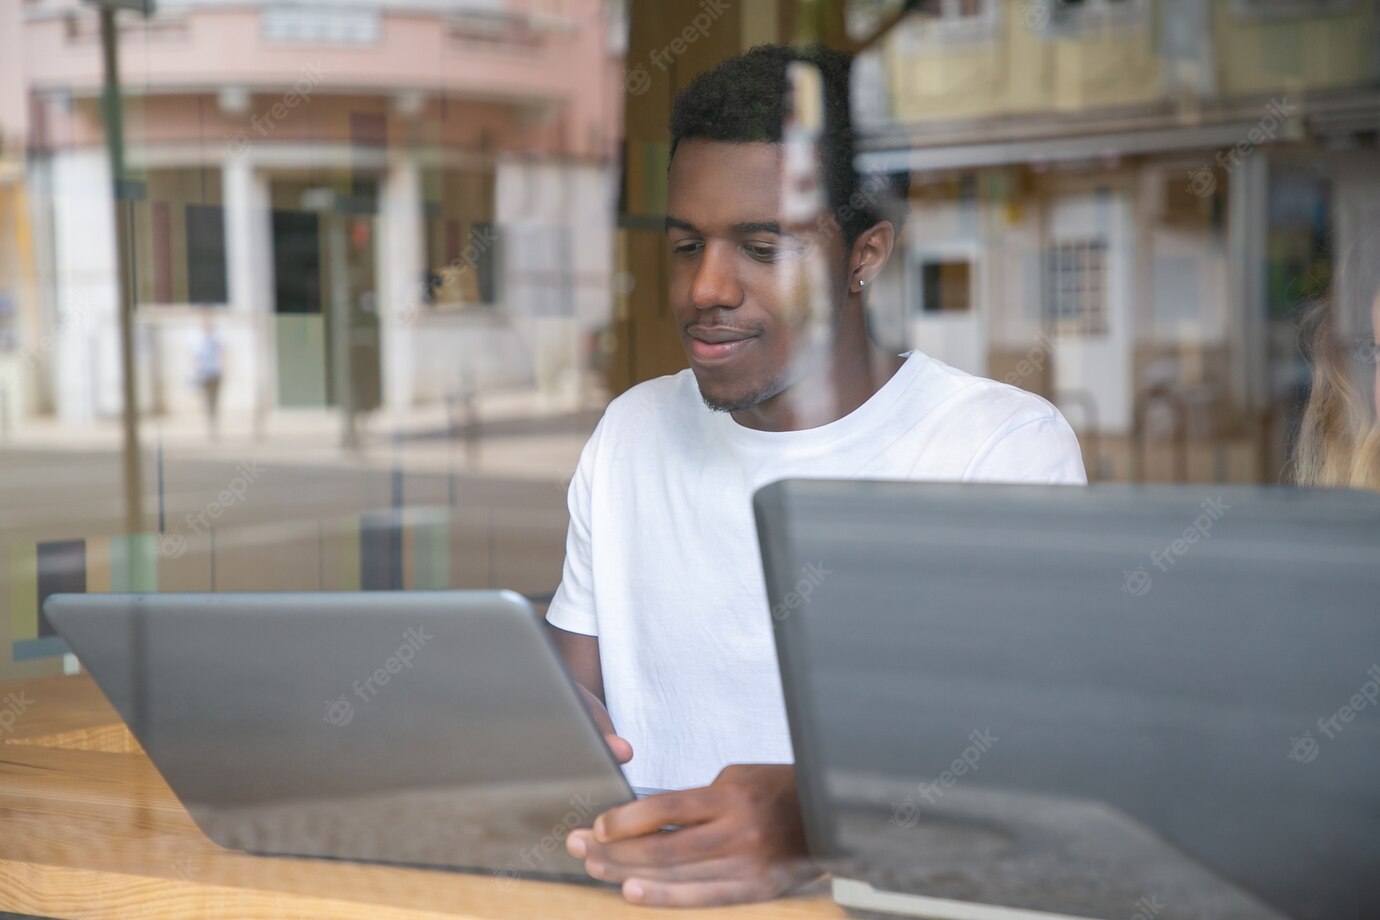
(762, 252)
(686, 247)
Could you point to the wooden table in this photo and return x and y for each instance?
(89, 829)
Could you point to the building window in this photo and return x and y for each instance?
(1075, 287)
(1281, 9)
(461, 237)
(327, 25)
(957, 21)
(206, 282)
(1066, 16)
(945, 286)
(178, 225)
(956, 10)
(9, 323)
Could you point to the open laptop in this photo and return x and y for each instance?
(424, 728)
(1140, 703)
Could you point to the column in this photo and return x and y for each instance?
(86, 372)
(400, 262)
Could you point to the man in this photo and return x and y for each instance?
(208, 366)
(662, 611)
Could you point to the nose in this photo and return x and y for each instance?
(716, 280)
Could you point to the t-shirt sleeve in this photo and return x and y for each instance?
(1042, 450)
(572, 608)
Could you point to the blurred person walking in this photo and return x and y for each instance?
(208, 369)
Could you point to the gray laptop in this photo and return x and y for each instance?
(424, 728)
(1020, 702)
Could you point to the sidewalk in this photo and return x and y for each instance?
(515, 436)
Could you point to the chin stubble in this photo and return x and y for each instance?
(743, 402)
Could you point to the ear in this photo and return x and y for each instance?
(869, 255)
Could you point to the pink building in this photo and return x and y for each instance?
(382, 203)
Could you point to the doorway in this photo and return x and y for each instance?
(325, 293)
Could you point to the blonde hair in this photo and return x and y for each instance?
(1339, 440)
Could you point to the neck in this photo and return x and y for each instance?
(843, 379)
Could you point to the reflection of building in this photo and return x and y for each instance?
(389, 196)
(16, 288)
(1126, 194)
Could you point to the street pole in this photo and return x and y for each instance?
(115, 145)
(342, 331)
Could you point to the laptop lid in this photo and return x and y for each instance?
(1094, 702)
(425, 728)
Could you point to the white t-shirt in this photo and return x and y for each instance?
(662, 561)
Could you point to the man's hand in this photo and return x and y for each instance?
(622, 750)
(738, 839)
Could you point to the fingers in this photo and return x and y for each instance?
(706, 871)
(597, 710)
(699, 894)
(690, 806)
(656, 850)
(619, 746)
(622, 751)
(736, 840)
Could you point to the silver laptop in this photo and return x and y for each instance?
(424, 728)
(1124, 703)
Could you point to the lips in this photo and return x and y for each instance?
(717, 344)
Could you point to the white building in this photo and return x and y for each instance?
(410, 198)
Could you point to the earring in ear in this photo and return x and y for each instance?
(862, 281)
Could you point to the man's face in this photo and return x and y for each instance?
(739, 290)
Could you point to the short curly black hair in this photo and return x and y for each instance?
(743, 100)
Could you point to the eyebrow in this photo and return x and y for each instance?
(741, 228)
